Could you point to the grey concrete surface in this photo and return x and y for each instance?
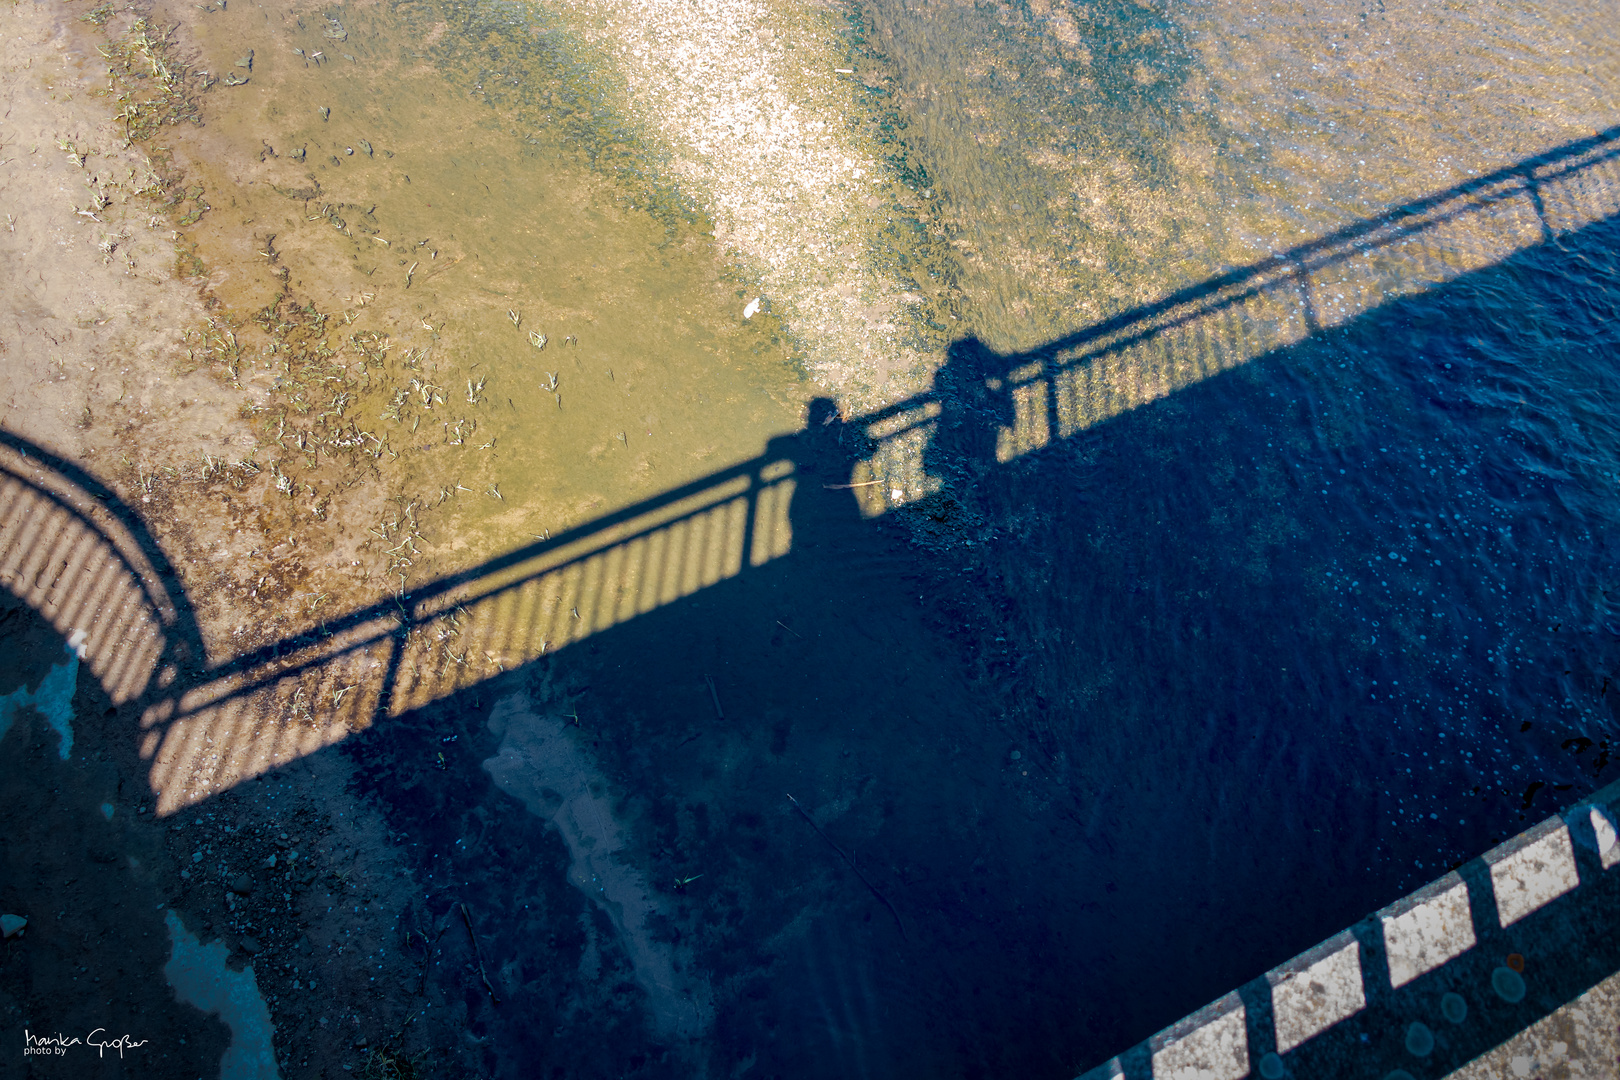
(1507, 967)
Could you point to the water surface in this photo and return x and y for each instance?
(1125, 645)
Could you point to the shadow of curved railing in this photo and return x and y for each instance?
(84, 560)
(267, 707)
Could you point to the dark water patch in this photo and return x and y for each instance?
(1305, 635)
(1238, 666)
(562, 996)
(83, 862)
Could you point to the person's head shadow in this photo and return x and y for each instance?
(827, 447)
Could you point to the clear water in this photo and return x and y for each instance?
(1288, 592)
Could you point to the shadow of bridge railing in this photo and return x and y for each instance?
(270, 706)
(275, 704)
(1082, 379)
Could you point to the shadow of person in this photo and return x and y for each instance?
(975, 406)
(825, 515)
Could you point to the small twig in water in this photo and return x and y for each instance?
(805, 814)
(479, 953)
(720, 714)
(428, 947)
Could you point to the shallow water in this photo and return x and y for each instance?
(1130, 611)
(501, 214)
(1099, 156)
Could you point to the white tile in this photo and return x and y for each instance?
(1217, 1051)
(1428, 935)
(1607, 841)
(1533, 875)
(1309, 1002)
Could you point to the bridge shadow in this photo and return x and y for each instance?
(564, 589)
(1271, 652)
(1115, 696)
(89, 620)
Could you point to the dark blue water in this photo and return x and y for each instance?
(1377, 565)
(1094, 734)
(1272, 651)
(1219, 673)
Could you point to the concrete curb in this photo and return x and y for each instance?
(1427, 984)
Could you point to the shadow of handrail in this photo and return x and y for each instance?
(1080, 379)
(463, 628)
(429, 600)
(270, 705)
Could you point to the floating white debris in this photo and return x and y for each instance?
(752, 309)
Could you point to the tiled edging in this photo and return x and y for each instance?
(1424, 985)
